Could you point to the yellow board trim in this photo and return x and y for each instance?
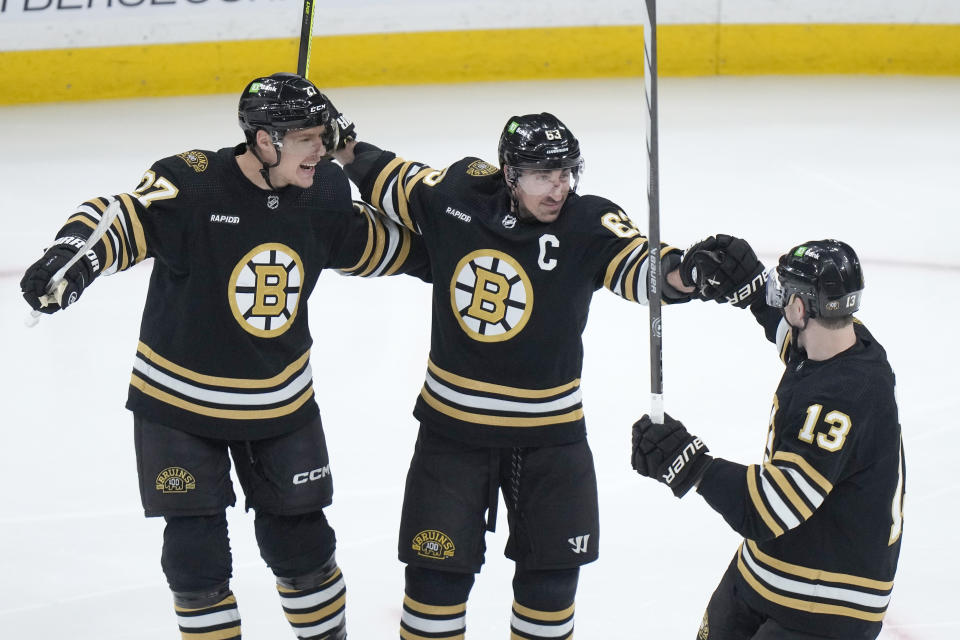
(189, 68)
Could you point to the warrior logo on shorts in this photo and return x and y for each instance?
(265, 289)
(491, 295)
(704, 632)
(175, 480)
(433, 544)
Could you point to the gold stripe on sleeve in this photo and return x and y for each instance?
(810, 472)
(758, 502)
(369, 247)
(785, 486)
(380, 232)
(376, 195)
(403, 198)
(612, 267)
(405, 242)
(131, 210)
(409, 185)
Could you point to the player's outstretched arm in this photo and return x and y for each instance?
(724, 269)
(669, 454)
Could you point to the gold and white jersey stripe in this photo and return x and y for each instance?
(813, 590)
(220, 397)
(786, 491)
(481, 402)
(393, 186)
(125, 243)
(388, 245)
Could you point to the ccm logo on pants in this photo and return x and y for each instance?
(310, 476)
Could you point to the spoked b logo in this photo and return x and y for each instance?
(491, 296)
(264, 290)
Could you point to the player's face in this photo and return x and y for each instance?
(301, 151)
(542, 193)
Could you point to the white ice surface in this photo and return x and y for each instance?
(872, 161)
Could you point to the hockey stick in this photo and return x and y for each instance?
(306, 36)
(57, 284)
(653, 207)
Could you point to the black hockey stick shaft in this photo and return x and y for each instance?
(306, 36)
(653, 207)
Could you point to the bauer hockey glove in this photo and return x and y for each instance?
(724, 269)
(669, 454)
(79, 276)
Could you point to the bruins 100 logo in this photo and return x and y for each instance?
(264, 289)
(491, 295)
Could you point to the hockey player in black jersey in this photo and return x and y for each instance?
(823, 513)
(239, 237)
(516, 255)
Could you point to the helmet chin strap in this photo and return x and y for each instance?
(795, 349)
(265, 170)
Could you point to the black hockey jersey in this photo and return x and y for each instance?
(224, 341)
(510, 299)
(822, 515)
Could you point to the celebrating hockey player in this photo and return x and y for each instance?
(822, 515)
(239, 237)
(516, 255)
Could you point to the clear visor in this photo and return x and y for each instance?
(541, 182)
(776, 293)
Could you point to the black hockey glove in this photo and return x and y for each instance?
(723, 269)
(669, 454)
(37, 276)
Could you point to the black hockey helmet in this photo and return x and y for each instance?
(825, 274)
(283, 102)
(538, 141)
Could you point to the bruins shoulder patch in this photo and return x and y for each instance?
(196, 160)
(479, 168)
